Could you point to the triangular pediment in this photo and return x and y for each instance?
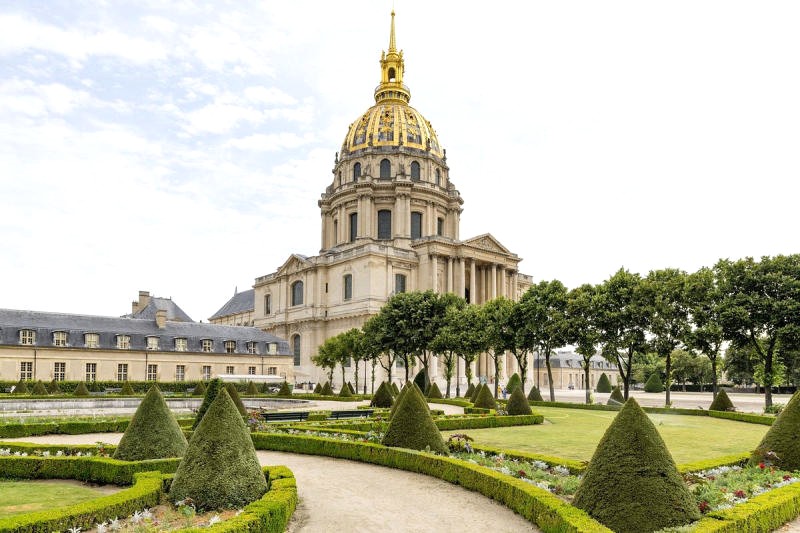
(295, 263)
(487, 242)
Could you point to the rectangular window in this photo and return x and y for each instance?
(27, 337)
(91, 372)
(440, 226)
(272, 371)
(353, 226)
(384, 224)
(181, 345)
(267, 304)
(60, 338)
(123, 342)
(180, 373)
(229, 370)
(152, 372)
(206, 373)
(399, 283)
(252, 347)
(347, 363)
(230, 346)
(59, 371)
(416, 225)
(251, 370)
(91, 340)
(26, 370)
(152, 343)
(207, 345)
(348, 286)
(273, 348)
(122, 372)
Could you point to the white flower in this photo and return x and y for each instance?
(561, 470)
(75, 529)
(101, 527)
(147, 514)
(59, 453)
(5, 451)
(46, 453)
(136, 517)
(114, 524)
(214, 520)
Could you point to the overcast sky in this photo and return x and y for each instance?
(181, 147)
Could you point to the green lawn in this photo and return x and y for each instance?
(25, 496)
(574, 434)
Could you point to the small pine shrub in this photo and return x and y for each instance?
(153, 432)
(395, 389)
(199, 389)
(603, 384)
(475, 392)
(518, 403)
(434, 391)
(616, 397)
(285, 390)
(39, 389)
(779, 446)
(485, 400)
(654, 383)
(318, 388)
(21, 388)
(422, 381)
(535, 394)
(327, 390)
(53, 387)
(412, 425)
(382, 396)
(252, 389)
(722, 402)
(211, 394)
(237, 401)
(399, 398)
(352, 389)
(513, 382)
(81, 389)
(345, 391)
(126, 390)
(470, 390)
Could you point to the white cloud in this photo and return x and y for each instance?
(269, 142)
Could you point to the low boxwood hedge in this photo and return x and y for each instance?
(66, 449)
(93, 469)
(765, 512)
(750, 418)
(11, 431)
(459, 402)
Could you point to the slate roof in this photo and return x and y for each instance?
(567, 359)
(45, 323)
(174, 312)
(240, 303)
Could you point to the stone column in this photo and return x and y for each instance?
(461, 285)
(473, 285)
(514, 286)
(450, 274)
(389, 277)
(434, 273)
(493, 282)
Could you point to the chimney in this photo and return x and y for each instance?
(141, 303)
(161, 318)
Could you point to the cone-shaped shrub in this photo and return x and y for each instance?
(535, 395)
(345, 391)
(779, 446)
(285, 390)
(423, 381)
(399, 398)
(21, 388)
(199, 389)
(153, 432)
(327, 390)
(395, 389)
(53, 387)
(352, 389)
(632, 484)
(126, 390)
(318, 389)
(382, 396)
(39, 389)
(603, 384)
(616, 397)
(485, 400)
(654, 383)
(412, 425)
(721, 402)
(434, 391)
(475, 392)
(220, 469)
(470, 390)
(237, 401)
(513, 382)
(211, 394)
(81, 389)
(252, 389)
(518, 403)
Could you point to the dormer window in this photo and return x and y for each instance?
(152, 343)
(91, 340)
(207, 345)
(123, 342)
(230, 346)
(27, 337)
(59, 338)
(252, 347)
(181, 345)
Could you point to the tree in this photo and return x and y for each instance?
(760, 307)
(583, 333)
(684, 367)
(469, 325)
(449, 341)
(327, 356)
(500, 332)
(351, 347)
(153, 432)
(705, 304)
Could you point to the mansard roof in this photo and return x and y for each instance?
(174, 312)
(241, 302)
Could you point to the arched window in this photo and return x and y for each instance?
(384, 224)
(353, 226)
(386, 169)
(415, 171)
(348, 286)
(297, 293)
(438, 177)
(296, 349)
(392, 76)
(416, 225)
(356, 171)
(399, 283)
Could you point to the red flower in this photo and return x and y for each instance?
(740, 494)
(761, 466)
(703, 506)
(787, 477)
(521, 473)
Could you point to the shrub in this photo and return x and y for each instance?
(434, 391)
(127, 389)
(39, 389)
(285, 390)
(382, 396)
(352, 389)
(211, 393)
(53, 388)
(485, 399)
(81, 390)
(153, 432)
(21, 388)
(654, 383)
(220, 469)
(423, 381)
(395, 389)
(616, 397)
(470, 390)
(779, 445)
(318, 388)
(534, 395)
(199, 389)
(327, 390)
(397, 400)
(252, 389)
(721, 402)
(518, 404)
(412, 425)
(513, 382)
(603, 384)
(344, 392)
(475, 392)
(237, 401)
(632, 484)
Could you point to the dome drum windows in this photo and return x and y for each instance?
(415, 172)
(356, 171)
(296, 349)
(353, 218)
(297, 293)
(347, 283)
(384, 224)
(416, 225)
(386, 169)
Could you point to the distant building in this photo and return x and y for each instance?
(567, 370)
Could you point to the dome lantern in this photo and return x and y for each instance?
(391, 88)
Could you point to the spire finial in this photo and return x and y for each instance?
(392, 43)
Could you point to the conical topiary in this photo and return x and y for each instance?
(632, 484)
(721, 402)
(345, 392)
(39, 389)
(535, 394)
(53, 387)
(211, 394)
(285, 390)
(199, 389)
(127, 389)
(382, 396)
(327, 390)
(475, 392)
(412, 425)
(513, 382)
(616, 397)
(252, 389)
(237, 401)
(779, 445)
(395, 389)
(153, 432)
(485, 400)
(318, 389)
(470, 390)
(603, 384)
(352, 389)
(399, 398)
(434, 392)
(518, 403)
(220, 469)
(654, 383)
(423, 381)
(81, 389)
(21, 388)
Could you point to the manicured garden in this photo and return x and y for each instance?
(19, 496)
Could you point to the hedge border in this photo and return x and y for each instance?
(765, 512)
(94, 469)
(67, 427)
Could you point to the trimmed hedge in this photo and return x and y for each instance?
(743, 417)
(10, 431)
(603, 384)
(722, 402)
(654, 383)
(94, 469)
(765, 512)
(451, 401)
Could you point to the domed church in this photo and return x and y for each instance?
(390, 223)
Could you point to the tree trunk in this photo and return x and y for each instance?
(714, 377)
(405, 360)
(550, 377)
(374, 362)
(355, 374)
(668, 378)
(586, 381)
(768, 380)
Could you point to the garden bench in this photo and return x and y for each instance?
(284, 416)
(354, 413)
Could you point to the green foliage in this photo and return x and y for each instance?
(326, 389)
(345, 392)
(434, 392)
(81, 390)
(211, 393)
(535, 395)
(518, 403)
(237, 401)
(382, 396)
(53, 388)
(654, 384)
(39, 389)
(722, 402)
(21, 388)
(603, 384)
(252, 389)
(412, 426)
(285, 391)
(350, 386)
(126, 390)
(318, 388)
(632, 484)
(779, 445)
(199, 389)
(476, 391)
(395, 389)
(220, 469)
(153, 433)
(485, 399)
(399, 397)
(470, 390)
(616, 397)
(513, 382)
(422, 381)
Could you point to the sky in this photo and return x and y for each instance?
(181, 147)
